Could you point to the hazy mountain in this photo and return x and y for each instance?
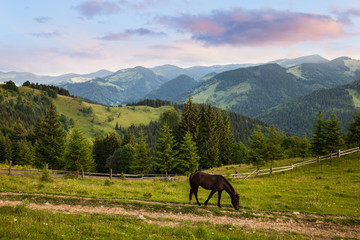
(297, 116)
(118, 88)
(172, 88)
(20, 77)
(170, 71)
(287, 63)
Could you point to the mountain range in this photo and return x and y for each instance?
(263, 91)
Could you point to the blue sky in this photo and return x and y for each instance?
(56, 37)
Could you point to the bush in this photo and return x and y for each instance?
(45, 176)
(108, 182)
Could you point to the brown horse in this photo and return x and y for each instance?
(215, 183)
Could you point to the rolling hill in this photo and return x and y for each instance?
(297, 116)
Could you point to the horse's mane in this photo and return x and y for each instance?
(231, 186)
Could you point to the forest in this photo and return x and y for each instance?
(186, 138)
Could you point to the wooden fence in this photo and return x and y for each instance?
(317, 160)
(82, 174)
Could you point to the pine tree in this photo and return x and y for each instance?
(189, 120)
(274, 149)
(240, 154)
(26, 154)
(165, 150)
(50, 141)
(104, 148)
(258, 148)
(303, 147)
(332, 132)
(122, 159)
(78, 152)
(318, 140)
(188, 157)
(226, 138)
(142, 160)
(354, 129)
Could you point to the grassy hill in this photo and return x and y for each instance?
(90, 118)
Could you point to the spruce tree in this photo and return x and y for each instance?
(303, 147)
(165, 150)
(189, 120)
(78, 152)
(274, 149)
(26, 154)
(240, 154)
(50, 141)
(332, 132)
(142, 160)
(258, 149)
(226, 138)
(188, 157)
(104, 147)
(212, 142)
(318, 140)
(354, 130)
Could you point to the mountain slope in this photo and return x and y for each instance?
(172, 88)
(249, 91)
(328, 74)
(287, 63)
(118, 88)
(297, 116)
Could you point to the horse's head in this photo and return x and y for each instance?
(235, 201)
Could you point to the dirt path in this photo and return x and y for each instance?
(318, 229)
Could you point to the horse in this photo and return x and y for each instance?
(215, 183)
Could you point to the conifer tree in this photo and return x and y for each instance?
(211, 156)
(226, 138)
(258, 148)
(104, 148)
(274, 149)
(122, 159)
(171, 118)
(78, 152)
(142, 160)
(318, 140)
(354, 129)
(50, 141)
(240, 154)
(189, 120)
(332, 132)
(303, 147)
(2, 147)
(26, 154)
(188, 157)
(165, 150)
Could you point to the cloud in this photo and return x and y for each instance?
(46, 34)
(91, 8)
(239, 27)
(130, 33)
(43, 19)
(344, 15)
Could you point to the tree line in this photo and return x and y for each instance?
(199, 137)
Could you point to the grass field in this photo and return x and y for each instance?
(330, 191)
(328, 188)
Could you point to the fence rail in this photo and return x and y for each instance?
(260, 172)
(62, 173)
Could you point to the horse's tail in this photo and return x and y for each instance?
(190, 177)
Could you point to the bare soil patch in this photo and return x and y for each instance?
(281, 222)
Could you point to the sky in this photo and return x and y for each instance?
(69, 36)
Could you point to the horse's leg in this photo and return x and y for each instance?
(191, 193)
(195, 193)
(219, 198)
(211, 194)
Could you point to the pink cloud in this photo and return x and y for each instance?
(239, 27)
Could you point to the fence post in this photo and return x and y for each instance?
(110, 173)
(318, 159)
(10, 163)
(339, 153)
